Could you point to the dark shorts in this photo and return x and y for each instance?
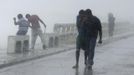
(80, 43)
(21, 32)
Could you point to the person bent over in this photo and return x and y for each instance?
(36, 29)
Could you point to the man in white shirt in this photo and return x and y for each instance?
(23, 25)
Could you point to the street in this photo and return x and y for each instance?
(115, 58)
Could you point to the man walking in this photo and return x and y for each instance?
(93, 27)
(36, 29)
(80, 41)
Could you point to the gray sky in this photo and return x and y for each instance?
(59, 11)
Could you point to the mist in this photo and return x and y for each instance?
(59, 11)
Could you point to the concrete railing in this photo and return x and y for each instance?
(67, 33)
(18, 44)
(52, 39)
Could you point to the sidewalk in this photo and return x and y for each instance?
(15, 58)
(115, 58)
(12, 59)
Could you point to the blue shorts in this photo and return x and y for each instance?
(80, 43)
(20, 32)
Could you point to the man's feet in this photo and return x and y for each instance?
(85, 62)
(75, 66)
(89, 67)
(44, 46)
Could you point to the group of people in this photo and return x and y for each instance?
(89, 26)
(31, 21)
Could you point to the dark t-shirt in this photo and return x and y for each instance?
(80, 26)
(92, 26)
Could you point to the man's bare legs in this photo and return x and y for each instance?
(77, 58)
(86, 57)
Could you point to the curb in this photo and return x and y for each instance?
(33, 58)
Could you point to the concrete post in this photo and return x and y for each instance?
(18, 44)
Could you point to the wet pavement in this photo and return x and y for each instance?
(9, 59)
(16, 58)
(115, 58)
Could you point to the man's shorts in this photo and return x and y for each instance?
(81, 43)
(20, 32)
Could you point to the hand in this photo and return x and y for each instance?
(45, 26)
(14, 18)
(100, 41)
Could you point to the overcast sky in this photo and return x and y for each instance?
(59, 11)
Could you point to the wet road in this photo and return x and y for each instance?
(115, 58)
